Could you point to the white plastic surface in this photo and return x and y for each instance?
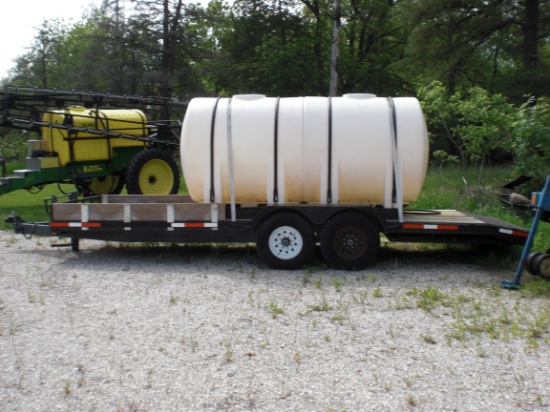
(361, 163)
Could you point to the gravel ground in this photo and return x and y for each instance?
(129, 328)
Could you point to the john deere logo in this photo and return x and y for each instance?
(91, 169)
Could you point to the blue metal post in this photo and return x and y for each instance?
(543, 203)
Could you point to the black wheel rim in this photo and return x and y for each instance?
(350, 242)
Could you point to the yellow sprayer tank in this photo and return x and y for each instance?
(314, 150)
(84, 146)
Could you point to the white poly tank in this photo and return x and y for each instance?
(315, 150)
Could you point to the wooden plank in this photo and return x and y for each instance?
(146, 199)
(99, 212)
(66, 212)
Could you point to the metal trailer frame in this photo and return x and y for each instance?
(177, 219)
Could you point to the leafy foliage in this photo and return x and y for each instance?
(531, 140)
(477, 124)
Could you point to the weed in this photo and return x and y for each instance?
(377, 293)
(173, 299)
(149, 384)
(275, 309)
(411, 400)
(337, 284)
(361, 298)
(229, 345)
(322, 306)
(319, 282)
(402, 303)
(428, 339)
(228, 356)
(67, 387)
(482, 353)
(193, 343)
(413, 292)
(339, 318)
(430, 297)
(31, 297)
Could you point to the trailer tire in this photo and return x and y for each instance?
(286, 241)
(350, 241)
(541, 265)
(152, 172)
(530, 262)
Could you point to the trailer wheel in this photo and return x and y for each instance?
(530, 261)
(286, 241)
(107, 185)
(152, 172)
(541, 265)
(350, 241)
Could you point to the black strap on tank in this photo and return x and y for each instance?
(394, 127)
(276, 153)
(212, 128)
(329, 183)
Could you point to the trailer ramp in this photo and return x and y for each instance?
(453, 226)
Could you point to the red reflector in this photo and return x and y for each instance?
(91, 224)
(429, 227)
(194, 224)
(75, 224)
(447, 227)
(59, 224)
(411, 226)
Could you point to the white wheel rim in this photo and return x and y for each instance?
(285, 243)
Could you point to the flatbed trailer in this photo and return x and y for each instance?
(285, 235)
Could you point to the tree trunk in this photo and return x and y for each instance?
(168, 63)
(335, 50)
(530, 52)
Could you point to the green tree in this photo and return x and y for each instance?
(373, 41)
(531, 139)
(476, 123)
(41, 65)
(465, 43)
